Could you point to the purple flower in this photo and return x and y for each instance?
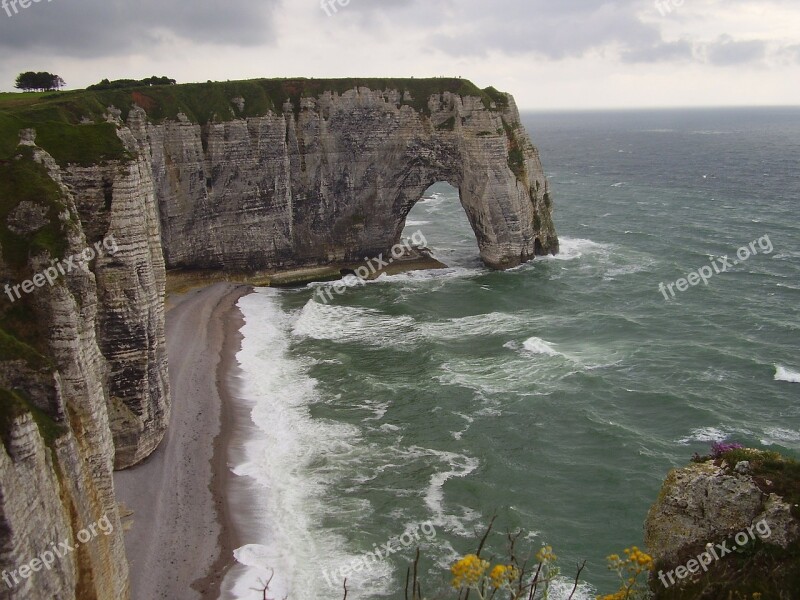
(720, 448)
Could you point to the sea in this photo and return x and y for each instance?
(554, 397)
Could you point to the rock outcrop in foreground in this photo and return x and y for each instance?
(728, 528)
(239, 176)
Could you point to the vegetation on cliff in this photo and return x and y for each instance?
(72, 126)
(15, 404)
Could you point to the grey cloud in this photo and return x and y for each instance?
(660, 52)
(111, 27)
(727, 51)
(556, 30)
(793, 52)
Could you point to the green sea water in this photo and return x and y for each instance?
(556, 395)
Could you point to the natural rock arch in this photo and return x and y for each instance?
(333, 181)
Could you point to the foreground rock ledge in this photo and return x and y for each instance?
(710, 503)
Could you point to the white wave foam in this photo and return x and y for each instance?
(482, 325)
(572, 248)
(625, 270)
(279, 462)
(704, 434)
(561, 589)
(353, 324)
(372, 327)
(417, 223)
(426, 275)
(779, 435)
(458, 465)
(784, 374)
(537, 345)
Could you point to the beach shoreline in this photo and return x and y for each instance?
(178, 495)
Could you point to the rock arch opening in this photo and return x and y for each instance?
(439, 216)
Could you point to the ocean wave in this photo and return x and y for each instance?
(562, 589)
(488, 376)
(784, 374)
(482, 325)
(537, 345)
(780, 436)
(625, 270)
(354, 324)
(704, 434)
(372, 327)
(572, 248)
(425, 276)
(287, 461)
(457, 466)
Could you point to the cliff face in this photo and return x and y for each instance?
(279, 174)
(57, 458)
(336, 180)
(118, 199)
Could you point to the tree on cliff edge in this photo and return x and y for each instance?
(41, 81)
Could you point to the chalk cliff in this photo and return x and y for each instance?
(336, 180)
(240, 176)
(57, 456)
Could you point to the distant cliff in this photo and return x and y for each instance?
(239, 176)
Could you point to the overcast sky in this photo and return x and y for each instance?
(549, 53)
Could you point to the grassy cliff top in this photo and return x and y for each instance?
(71, 125)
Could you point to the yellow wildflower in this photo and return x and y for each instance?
(546, 555)
(468, 571)
(503, 576)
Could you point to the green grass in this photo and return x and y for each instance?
(13, 349)
(58, 116)
(57, 121)
(516, 157)
(448, 125)
(23, 179)
(14, 404)
(20, 326)
(500, 99)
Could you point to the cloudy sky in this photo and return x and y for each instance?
(549, 53)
